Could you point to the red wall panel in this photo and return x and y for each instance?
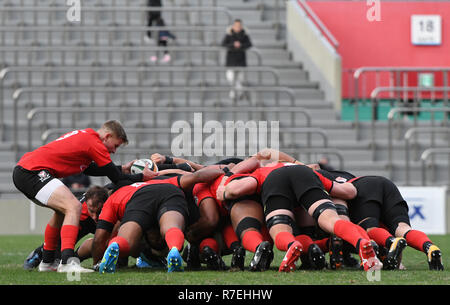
(386, 42)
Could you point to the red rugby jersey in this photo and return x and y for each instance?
(70, 154)
(209, 190)
(114, 207)
(261, 174)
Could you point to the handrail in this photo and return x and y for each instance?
(408, 135)
(391, 116)
(426, 154)
(141, 69)
(111, 49)
(359, 71)
(128, 9)
(319, 24)
(73, 110)
(374, 96)
(127, 89)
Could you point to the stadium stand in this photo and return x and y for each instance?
(58, 75)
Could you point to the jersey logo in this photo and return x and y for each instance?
(43, 175)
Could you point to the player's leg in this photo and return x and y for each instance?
(127, 241)
(421, 242)
(233, 244)
(280, 221)
(171, 225)
(247, 218)
(209, 254)
(324, 212)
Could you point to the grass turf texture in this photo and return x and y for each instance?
(14, 249)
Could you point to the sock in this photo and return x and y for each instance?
(363, 232)
(305, 240)
(380, 236)
(283, 240)
(69, 234)
(251, 240)
(266, 235)
(124, 246)
(174, 238)
(210, 242)
(51, 240)
(323, 244)
(418, 240)
(348, 231)
(229, 237)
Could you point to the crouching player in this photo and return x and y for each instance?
(161, 203)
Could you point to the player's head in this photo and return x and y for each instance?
(113, 135)
(95, 196)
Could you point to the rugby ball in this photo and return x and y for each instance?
(138, 166)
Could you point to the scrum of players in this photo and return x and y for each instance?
(179, 215)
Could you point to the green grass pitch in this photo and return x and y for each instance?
(14, 249)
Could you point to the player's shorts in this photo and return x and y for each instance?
(297, 183)
(379, 198)
(149, 203)
(37, 185)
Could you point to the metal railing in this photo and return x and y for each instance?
(114, 9)
(140, 71)
(413, 132)
(374, 102)
(430, 152)
(49, 134)
(106, 111)
(391, 117)
(217, 33)
(124, 51)
(124, 91)
(397, 79)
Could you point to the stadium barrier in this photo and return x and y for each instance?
(430, 152)
(123, 51)
(277, 91)
(395, 79)
(413, 132)
(205, 77)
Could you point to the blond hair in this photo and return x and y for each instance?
(116, 128)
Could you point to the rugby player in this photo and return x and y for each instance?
(283, 186)
(37, 172)
(159, 202)
(381, 210)
(92, 203)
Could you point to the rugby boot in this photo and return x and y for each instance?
(212, 260)
(393, 257)
(174, 261)
(109, 260)
(47, 267)
(238, 258)
(434, 257)
(316, 257)
(73, 265)
(369, 260)
(191, 255)
(33, 260)
(336, 252)
(291, 257)
(262, 258)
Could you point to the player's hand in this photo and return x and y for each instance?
(148, 173)
(126, 168)
(219, 192)
(158, 158)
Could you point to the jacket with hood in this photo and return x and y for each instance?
(236, 57)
